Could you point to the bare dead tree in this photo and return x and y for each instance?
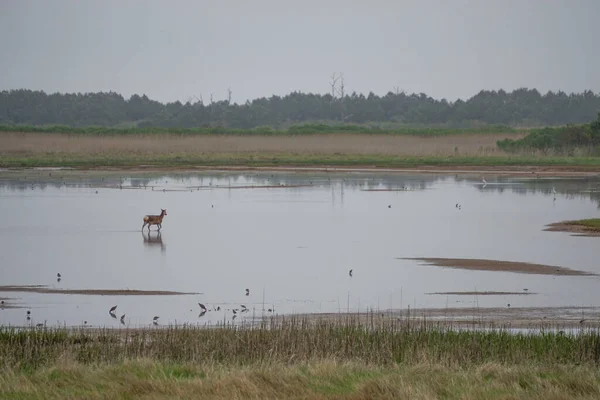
(332, 83)
(342, 93)
(228, 95)
(198, 99)
(341, 90)
(398, 90)
(211, 98)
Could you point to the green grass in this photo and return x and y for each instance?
(286, 159)
(298, 358)
(305, 129)
(327, 379)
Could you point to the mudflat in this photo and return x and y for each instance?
(100, 292)
(495, 265)
(510, 317)
(486, 293)
(575, 227)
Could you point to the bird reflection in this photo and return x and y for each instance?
(154, 239)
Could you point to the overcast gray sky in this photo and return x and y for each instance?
(173, 50)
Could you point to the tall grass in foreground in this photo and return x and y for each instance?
(296, 341)
(315, 380)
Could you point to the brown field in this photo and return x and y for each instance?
(495, 265)
(401, 145)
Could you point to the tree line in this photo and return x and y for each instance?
(521, 107)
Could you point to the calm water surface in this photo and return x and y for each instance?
(291, 246)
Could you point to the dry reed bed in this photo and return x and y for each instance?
(298, 340)
(400, 145)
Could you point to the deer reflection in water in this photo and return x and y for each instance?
(151, 239)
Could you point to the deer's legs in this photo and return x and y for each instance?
(143, 226)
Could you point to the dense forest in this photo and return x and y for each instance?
(522, 107)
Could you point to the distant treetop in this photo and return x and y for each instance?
(521, 107)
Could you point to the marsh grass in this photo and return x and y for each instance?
(52, 150)
(298, 340)
(297, 358)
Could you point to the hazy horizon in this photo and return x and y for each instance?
(185, 50)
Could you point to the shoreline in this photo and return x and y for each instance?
(535, 318)
(531, 318)
(524, 170)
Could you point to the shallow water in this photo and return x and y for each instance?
(291, 246)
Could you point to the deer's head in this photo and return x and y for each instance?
(163, 212)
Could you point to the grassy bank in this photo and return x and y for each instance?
(326, 359)
(592, 223)
(286, 159)
(304, 129)
(582, 227)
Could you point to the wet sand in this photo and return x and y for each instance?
(6, 303)
(384, 190)
(495, 265)
(534, 318)
(282, 186)
(97, 292)
(572, 227)
(481, 293)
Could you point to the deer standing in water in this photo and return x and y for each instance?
(154, 220)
